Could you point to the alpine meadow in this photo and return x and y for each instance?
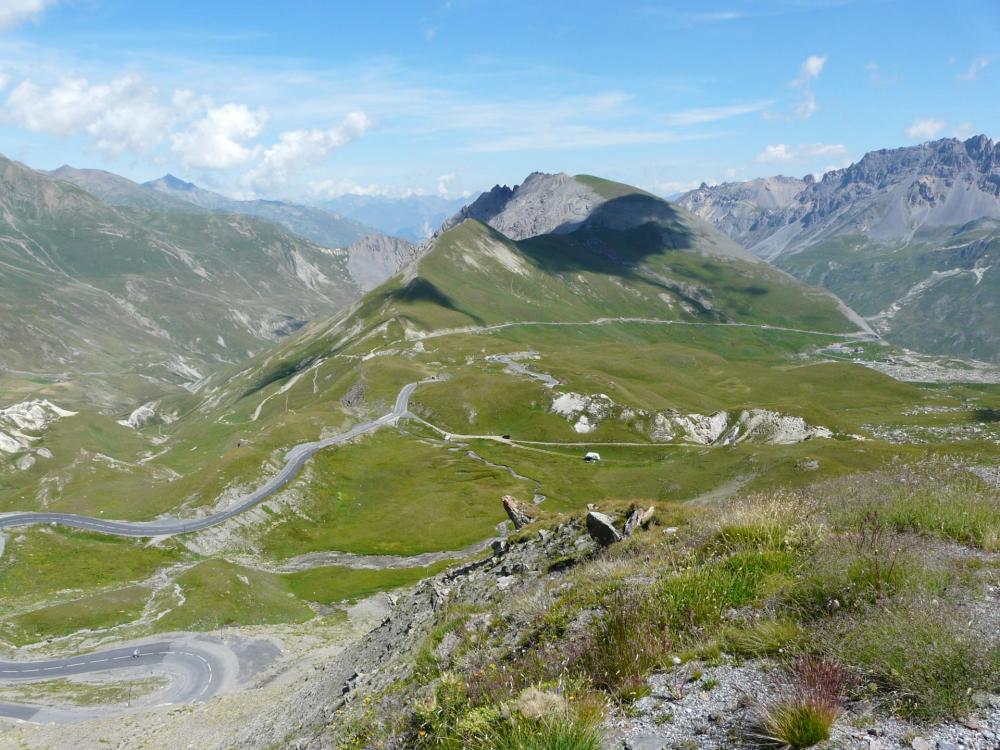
(684, 435)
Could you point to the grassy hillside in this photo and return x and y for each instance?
(94, 294)
(643, 325)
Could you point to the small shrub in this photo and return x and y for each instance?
(558, 734)
(796, 723)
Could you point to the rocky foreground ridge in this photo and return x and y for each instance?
(505, 640)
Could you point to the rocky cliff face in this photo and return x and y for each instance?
(376, 257)
(907, 237)
(543, 203)
(888, 195)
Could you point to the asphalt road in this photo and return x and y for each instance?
(197, 674)
(294, 460)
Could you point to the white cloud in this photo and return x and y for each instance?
(776, 152)
(13, 12)
(811, 67)
(964, 130)
(974, 69)
(125, 114)
(784, 152)
(878, 77)
(925, 129)
(298, 149)
(700, 116)
(444, 184)
(807, 105)
(220, 139)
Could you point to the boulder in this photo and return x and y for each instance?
(602, 528)
(515, 512)
(638, 517)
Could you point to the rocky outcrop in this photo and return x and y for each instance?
(377, 257)
(586, 412)
(543, 203)
(515, 512)
(21, 427)
(602, 528)
(637, 518)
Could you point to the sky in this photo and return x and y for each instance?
(309, 100)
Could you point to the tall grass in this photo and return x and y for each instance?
(922, 655)
(937, 497)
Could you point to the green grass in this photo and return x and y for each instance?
(218, 593)
(922, 655)
(42, 562)
(94, 612)
(939, 497)
(393, 494)
(62, 691)
(329, 585)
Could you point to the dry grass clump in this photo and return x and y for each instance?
(805, 713)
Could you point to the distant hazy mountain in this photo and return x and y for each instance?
(169, 193)
(909, 237)
(319, 225)
(414, 218)
(116, 190)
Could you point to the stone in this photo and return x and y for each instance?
(980, 699)
(919, 743)
(500, 547)
(515, 512)
(602, 528)
(945, 745)
(971, 722)
(645, 742)
(637, 518)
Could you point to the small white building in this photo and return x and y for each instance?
(591, 456)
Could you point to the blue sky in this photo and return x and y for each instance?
(314, 99)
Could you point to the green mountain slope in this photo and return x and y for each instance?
(694, 372)
(88, 288)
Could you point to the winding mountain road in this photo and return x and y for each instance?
(294, 461)
(197, 673)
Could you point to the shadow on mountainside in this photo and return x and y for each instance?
(615, 239)
(419, 290)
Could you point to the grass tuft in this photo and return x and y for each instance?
(806, 713)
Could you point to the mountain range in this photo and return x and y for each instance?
(168, 193)
(908, 237)
(118, 290)
(414, 217)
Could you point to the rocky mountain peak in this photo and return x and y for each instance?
(542, 204)
(173, 183)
